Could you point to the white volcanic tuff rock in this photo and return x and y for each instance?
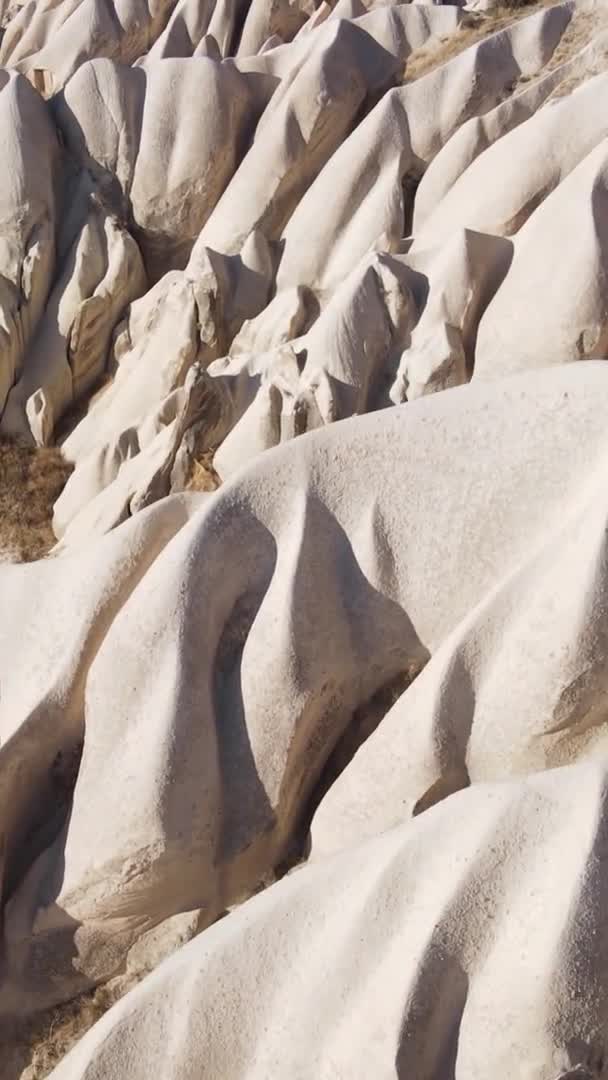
(48, 41)
(169, 315)
(190, 23)
(118, 147)
(339, 367)
(342, 366)
(223, 680)
(474, 136)
(161, 144)
(399, 28)
(462, 276)
(8, 9)
(278, 59)
(354, 9)
(478, 78)
(122, 477)
(286, 316)
(403, 28)
(455, 725)
(531, 160)
(184, 319)
(560, 254)
(28, 186)
(30, 25)
(67, 356)
(465, 532)
(406, 322)
(251, 401)
(41, 733)
(354, 205)
(264, 19)
(308, 117)
(210, 299)
(320, 14)
(469, 943)
(356, 202)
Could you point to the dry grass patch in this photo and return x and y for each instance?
(475, 27)
(583, 29)
(203, 476)
(580, 31)
(41, 1043)
(31, 480)
(568, 85)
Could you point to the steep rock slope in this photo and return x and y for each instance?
(229, 231)
(347, 576)
(454, 946)
(305, 234)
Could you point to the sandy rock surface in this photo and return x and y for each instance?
(303, 519)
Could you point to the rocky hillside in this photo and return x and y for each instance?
(303, 544)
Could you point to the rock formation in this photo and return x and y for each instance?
(294, 297)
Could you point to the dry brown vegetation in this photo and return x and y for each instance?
(568, 85)
(475, 27)
(41, 1044)
(478, 25)
(584, 27)
(203, 476)
(581, 29)
(31, 479)
(35, 1048)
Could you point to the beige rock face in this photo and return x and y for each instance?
(460, 276)
(102, 273)
(263, 20)
(477, 134)
(360, 189)
(308, 117)
(135, 131)
(479, 77)
(28, 186)
(48, 41)
(296, 288)
(531, 159)
(198, 29)
(458, 894)
(275, 675)
(578, 327)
